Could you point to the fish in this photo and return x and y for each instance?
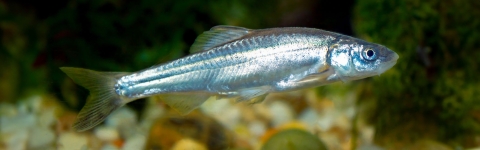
(241, 64)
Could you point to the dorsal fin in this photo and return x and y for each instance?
(216, 36)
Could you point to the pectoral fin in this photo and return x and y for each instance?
(185, 103)
(323, 76)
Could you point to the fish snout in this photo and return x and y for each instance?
(390, 59)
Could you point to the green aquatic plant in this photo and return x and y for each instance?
(432, 92)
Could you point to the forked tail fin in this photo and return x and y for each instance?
(102, 100)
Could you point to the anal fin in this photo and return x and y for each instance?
(253, 95)
(184, 103)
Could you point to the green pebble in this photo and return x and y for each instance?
(294, 139)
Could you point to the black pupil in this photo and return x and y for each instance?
(369, 53)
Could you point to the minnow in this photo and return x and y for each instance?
(236, 63)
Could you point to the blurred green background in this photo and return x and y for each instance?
(432, 92)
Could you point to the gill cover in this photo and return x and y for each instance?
(339, 58)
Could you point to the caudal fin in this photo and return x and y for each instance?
(102, 100)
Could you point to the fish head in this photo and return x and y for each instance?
(354, 59)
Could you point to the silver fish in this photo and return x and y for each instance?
(236, 63)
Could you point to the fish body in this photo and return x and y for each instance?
(236, 63)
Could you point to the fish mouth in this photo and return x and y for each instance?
(394, 57)
(389, 63)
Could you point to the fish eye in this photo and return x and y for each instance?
(369, 54)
